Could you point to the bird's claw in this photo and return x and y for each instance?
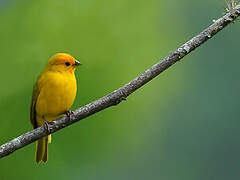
(69, 114)
(46, 126)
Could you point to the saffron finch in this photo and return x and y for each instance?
(53, 95)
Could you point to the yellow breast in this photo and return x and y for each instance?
(57, 93)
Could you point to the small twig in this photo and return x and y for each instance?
(117, 96)
(231, 5)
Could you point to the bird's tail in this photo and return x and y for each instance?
(41, 153)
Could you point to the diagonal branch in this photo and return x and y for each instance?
(117, 96)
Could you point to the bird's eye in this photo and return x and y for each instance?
(67, 64)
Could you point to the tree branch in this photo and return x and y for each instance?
(117, 96)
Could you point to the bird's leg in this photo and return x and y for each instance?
(46, 124)
(69, 113)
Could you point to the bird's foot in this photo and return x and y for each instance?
(69, 113)
(46, 125)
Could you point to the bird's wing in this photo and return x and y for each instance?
(35, 94)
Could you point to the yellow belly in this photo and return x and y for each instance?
(57, 94)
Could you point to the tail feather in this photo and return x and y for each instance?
(49, 138)
(42, 149)
(45, 155)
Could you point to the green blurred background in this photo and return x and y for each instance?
(183, 125)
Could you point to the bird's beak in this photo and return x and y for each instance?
(77, 63)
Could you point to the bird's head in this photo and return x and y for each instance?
(62, 62)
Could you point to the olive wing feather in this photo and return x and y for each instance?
(35, 94)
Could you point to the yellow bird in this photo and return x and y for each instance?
(53, 95)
